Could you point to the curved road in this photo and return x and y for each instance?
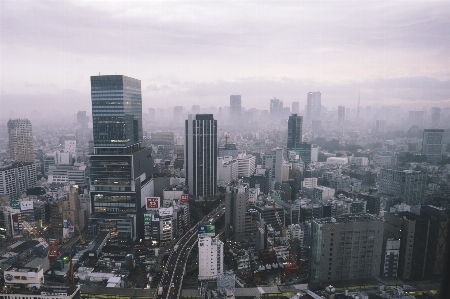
(174, 270)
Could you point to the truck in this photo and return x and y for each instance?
(160, 291)
(175, 248)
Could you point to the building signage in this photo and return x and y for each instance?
(8, 277)
(165, 212)
(206, 230)
(147, 218)
(15, 219)
(184, 198)
(26, 205)
(152, 203)
(15, 204)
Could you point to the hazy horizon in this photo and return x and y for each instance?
(197, 52)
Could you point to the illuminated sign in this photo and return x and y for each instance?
(184, 198)
(152, 203)
(165, 211)
(206, 230)
(147, 218)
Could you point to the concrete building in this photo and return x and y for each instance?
(236, 206)
(391, 258)
(309, 183)
(227, 170)
(337, 160)
(210, 257)
(422, 242)
(20, 140)
(345, 248)
(246, 165)
(274, 160)
(321, 194)
(407, 184)
(201, 154)
(432, 145)
(17, 178)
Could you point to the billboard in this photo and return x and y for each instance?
(147, 218)
(206, 230)
(15, 220)
(26, 205)
(14, 204)
(184, 198)
(152, 203)
(165, 211)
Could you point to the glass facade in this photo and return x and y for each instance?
(116, 111)
(294, 137)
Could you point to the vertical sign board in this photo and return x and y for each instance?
(147, 226)
(152, 203)
(184, 198)
(15, 219)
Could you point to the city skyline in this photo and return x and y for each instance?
(200, 53)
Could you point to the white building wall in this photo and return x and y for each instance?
(210, 258)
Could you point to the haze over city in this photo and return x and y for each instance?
(200, 52)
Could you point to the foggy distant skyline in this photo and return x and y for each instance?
(201, 52)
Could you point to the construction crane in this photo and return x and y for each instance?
(82, 240)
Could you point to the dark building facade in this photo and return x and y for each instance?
(294, 138)
(121, 168)
(201, 154)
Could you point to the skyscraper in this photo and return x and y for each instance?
(236, 205)
(435, 117)
(235, 106)
(276, 106)
(201, 154)
(294, 138)
(313, 105)
(121, 169)
(82, 119)
(295, 107)
(116, 112)
(20, 140)
(432, 145)
(341, 114)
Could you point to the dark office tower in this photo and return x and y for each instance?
(151, 114)
(294, 138)
(82, 119)
(200, 153)
(235, 106)
(435, 117)
(276, 106)
(116, 111)
(195, 109)
(432, 145)
(236, 206)
(20, 140)
(313, 105)
(120, 168)
(177, 113)
(295, 107)
(341, 114)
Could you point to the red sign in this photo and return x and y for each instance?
(152, 203)
(184, 198)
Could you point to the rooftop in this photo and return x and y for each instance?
(363, 217)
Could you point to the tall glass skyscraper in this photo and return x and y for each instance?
(313, 105)
(201, 154)
(121, 169)
(294, 137)
(116, 111)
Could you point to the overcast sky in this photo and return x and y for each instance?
(200, 52)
